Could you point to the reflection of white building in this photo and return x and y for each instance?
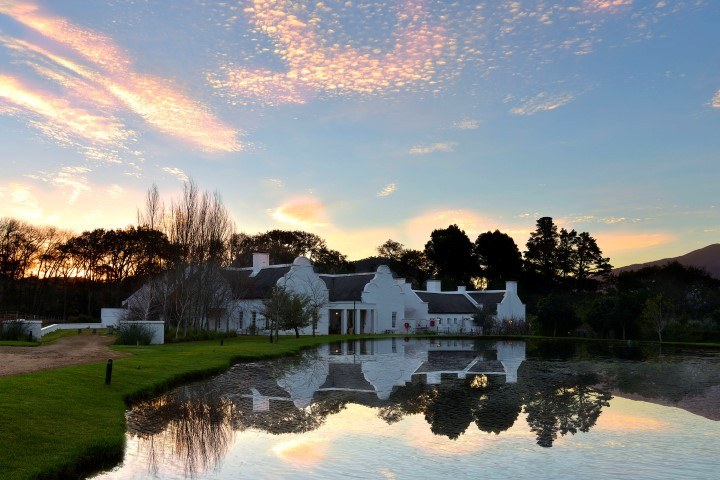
(372, 369)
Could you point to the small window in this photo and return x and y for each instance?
(240, 319)
(394, 319)
(440, 321)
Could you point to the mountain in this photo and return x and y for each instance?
(707, 258)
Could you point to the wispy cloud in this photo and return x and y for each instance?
(388, 190)
(716, 100)
(177, 173)
(108, 68)
(542, 102)
(19, 201)
(467, 124)
(56, 117)
(273, 183)
(432, 148)
(606, 5)
(72, 180)
(316, 65)
(302, 212)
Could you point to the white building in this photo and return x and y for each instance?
(351, 303)
(452, 311)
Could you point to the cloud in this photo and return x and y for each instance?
(716, 100)
(607, 5)
(388, 190)
(273, 183)
(624, 241)
(542, 102)
(301, 212)
(67, 198)
(177, 173)
(467, 124)
(316, 65)
(109, 70)
(19, 201)
(56, 117)
(72, 181)
(435, 147)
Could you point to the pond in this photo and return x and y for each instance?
(394, 409)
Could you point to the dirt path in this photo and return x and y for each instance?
(74, 350)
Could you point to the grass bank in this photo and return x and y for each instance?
(66, 422)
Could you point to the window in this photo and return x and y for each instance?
(439, 321)
(455, 320)
(254, 317)
(240, 319)
(394, 319)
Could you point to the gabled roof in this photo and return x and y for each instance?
(345, 288)
(246, 287)
(347, 377)
(447, 302)
(487, 298)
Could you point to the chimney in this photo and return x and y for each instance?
(462, 289)
(511, 287)
(260, 260)
(433, 286)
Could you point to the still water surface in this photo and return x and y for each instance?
(394, 409)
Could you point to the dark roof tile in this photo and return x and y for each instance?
(345, 288)
(447, 302)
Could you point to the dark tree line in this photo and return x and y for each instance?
(564, 278)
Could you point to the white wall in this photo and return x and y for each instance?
(34, 327)
(511, 307)
(416, 311)
(111, 316)
(70, 326)
(158, 330)
(302, 280)
(388, 297)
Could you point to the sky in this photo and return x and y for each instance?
(368, 120)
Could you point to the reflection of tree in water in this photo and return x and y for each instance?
(411, 399)
(498, 408)
(451, 411)
(197, 432)
(449, 408)
(284, 417)
(565, 404)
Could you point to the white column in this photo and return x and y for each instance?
(343, 322)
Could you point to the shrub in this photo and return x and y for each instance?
(134, 334)
(196, 336)
(14, 330)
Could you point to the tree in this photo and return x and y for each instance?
(284, 246)
(486, 319)
(541, 253)
(498, 257)
(451, 252)
(285, 310)
(656, 315)
(413, 265)
(567, 258)
(556, 314)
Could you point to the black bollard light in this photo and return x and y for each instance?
(108, 371)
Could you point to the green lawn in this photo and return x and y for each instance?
(65, 422)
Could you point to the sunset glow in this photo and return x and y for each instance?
(363, 120)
